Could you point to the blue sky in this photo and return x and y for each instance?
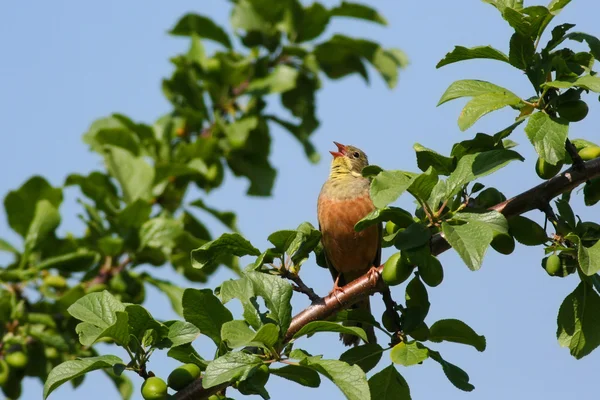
(67, 63)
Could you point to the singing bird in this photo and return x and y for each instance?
(344, 200)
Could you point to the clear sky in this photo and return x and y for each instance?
(67, 63)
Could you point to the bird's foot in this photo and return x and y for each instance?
(337, 289)
(373, 274)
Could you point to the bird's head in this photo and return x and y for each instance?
(347, 161)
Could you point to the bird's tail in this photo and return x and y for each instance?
(351, 340)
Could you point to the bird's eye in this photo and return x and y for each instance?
(356, 154)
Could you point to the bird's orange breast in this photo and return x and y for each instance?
(348, 251)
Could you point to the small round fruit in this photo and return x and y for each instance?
(4, 372)
(545, 170)
(589, 153)
(182, 376)
(55, 281)
(432, 273)
(154, 388)
(490, 197)
(503, 243)
(390, 227)
(51, 352)
(552, 264)
(573, 111)
(17, 359)
(396, 270)
(591, 192)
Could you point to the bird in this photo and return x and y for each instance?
(343, 201)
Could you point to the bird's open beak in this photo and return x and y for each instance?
(341, 150)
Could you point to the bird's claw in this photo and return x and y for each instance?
(373, 274)
(337, 289)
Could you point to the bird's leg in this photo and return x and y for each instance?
(336, 289)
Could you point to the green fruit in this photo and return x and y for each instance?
(4, 372)
(154, 388)
(591, 192)
(589, 153)
(573, 111)
(552, 264)
(396, 270)
(503, 243)
(55, 281)
(432, 273)
(388, 322)
(421, 332)
(391, 227)
(545, 170)
(182, 376)
(490, 197)
(51, 352)
(17, 359)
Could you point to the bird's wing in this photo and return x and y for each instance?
(333, 271)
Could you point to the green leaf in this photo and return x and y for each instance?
(526, 231)
(387, 186)
(281, 79)
(455, 375)
(473, 166)
(492, 218)
(187, 355)
(588, 82)
(359, 11)
(366, 356)
(484, 104)
(227, 218)
(521, 51)
(472, 88)
(453, 330)
(548, 135)
(588, 257)
(182, 333)
(81, 260)
(226, 245)
(423, 184)
(428, 158)
(237, 334)
(173, 292)
(351, 380)
(579, 321)
(409, 353)
(325, 326)
(302, 375)
(45, 220)
(98, 187)
(160, 233)
(398, 215)
(277, 294)
(388, 384)
(414, 236)
(417, 304)
(133, 173)
(298, 244)
(203, 309)
(229, 367)
(470, 241)
(311, 22)
(592, 41)
(204, 27)
(72, 369)
(134, 215)
(461, 53)
(140, 321)
(20, 205)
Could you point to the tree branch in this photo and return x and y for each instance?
(366, 285)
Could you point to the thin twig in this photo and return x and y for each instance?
(300, 285)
